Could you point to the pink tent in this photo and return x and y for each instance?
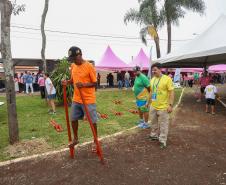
(141, 60)
(110, 61)
(217, 68)
(221, 68)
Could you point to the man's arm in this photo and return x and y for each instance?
(51, 88)
(86, 85)
(171, 101)
(149, 97)
(171, 97)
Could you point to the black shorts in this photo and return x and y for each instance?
(210, 101)
(202, 89)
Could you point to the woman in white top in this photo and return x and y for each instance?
(51, 94)
(16, 82)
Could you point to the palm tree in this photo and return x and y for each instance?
(148, 16)
(173, 10)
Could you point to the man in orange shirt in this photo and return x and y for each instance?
(83, 76)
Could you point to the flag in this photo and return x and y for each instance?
(177, 75)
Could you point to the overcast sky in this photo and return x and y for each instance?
(101, 17)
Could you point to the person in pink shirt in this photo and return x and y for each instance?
(41, 83)
(204, 81)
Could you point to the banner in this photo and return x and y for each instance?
(177, 75)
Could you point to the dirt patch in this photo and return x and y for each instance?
(28, 147)
(196, 154)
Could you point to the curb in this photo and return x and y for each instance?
(22, 159)
(180, 99)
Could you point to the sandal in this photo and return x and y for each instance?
(94, 148)
(73, 143)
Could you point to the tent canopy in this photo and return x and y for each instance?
(208, 49)
(110, 61)
(141, 60)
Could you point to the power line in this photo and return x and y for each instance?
(98, 39)
(91, 35)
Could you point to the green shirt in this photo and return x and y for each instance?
(196, 76)
(140, 87)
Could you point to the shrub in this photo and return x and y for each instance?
(62, 72)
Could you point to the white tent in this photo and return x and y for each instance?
(207, 49)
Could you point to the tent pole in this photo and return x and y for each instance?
(205, 65)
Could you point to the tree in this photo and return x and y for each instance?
(7, 8)
(45, 10)
(149, 17)
(173, 10)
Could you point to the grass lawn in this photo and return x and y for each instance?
(34, 119)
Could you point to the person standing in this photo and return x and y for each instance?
(83, 77)
(162, 99)
(98, 79)
(21, 83)
(51, 94)
(16, 81)
(119, 80)
(41, 83)
(211, 94)
(141, 90)
(196, 78)
(29, 83)
(24, 81)
(203, 82)
(111, 80)
(127, 79)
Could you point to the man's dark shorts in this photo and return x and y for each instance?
(210, 101)
(78, 112)
(202, 89)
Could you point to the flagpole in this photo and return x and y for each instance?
(149, 70)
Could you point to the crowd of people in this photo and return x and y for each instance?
(123, 79)
(205, 82)
(190, 79)
(28, 83)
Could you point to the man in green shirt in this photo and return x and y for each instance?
(141, 90)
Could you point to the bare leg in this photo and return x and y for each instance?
(140, 114)
(213, 109)
(207, 108)
(146, 116)
(95, 128)
(75, 132)
(49, 104)
(53, 105)
(94, 148)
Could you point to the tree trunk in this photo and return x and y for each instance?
(6, 11)
(44, 35)
(158, 52)
(169, 36)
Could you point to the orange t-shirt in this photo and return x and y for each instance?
(84, 73)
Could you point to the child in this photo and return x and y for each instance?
(211, 94)
(51, 94)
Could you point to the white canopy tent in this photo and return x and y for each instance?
(207, 49)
